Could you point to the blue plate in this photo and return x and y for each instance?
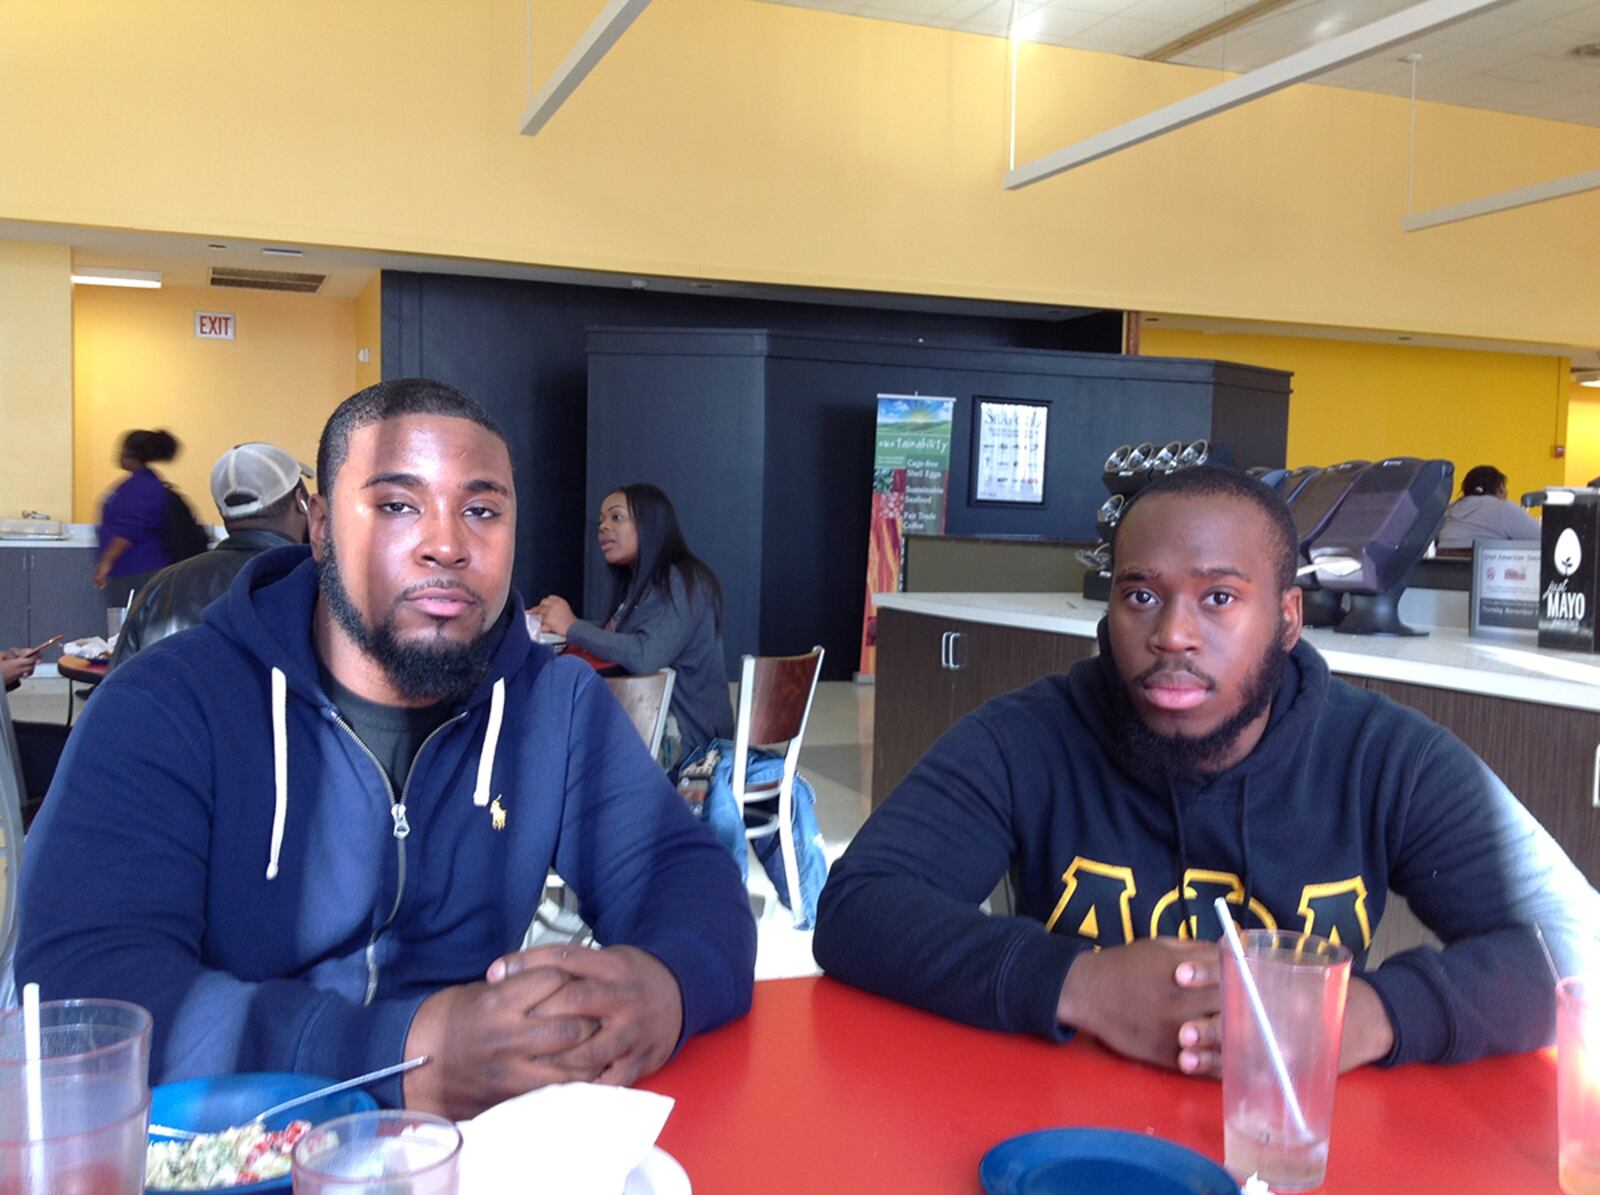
(1099, 1162)
(211, 1105)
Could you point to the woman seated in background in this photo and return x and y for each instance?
(133, 517)
(667, 613)
(1482, 512)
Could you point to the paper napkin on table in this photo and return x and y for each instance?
(92, 648)
(576, 1138)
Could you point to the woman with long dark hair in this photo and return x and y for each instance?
(666, 609)
(132, 517)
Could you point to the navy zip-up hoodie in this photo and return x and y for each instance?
(1347, 796)
(220, 848)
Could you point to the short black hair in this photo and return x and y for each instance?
(1482, 479)
(1208, 481)
(391, 400)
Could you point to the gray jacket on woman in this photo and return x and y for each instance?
(678, 632)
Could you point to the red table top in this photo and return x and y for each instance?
(823, 1088)
(74, 668)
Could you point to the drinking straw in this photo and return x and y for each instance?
(1258, 1010)
(33, 1056)
(1544, 949)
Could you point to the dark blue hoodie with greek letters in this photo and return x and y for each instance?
(1347, 796)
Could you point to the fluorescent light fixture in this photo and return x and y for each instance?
(1029, 27)
(1593, 383)
(102, 276)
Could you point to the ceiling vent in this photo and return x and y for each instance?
(303, 284)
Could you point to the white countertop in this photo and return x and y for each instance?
(1447, 658)
(78, 535)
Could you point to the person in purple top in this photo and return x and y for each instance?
(131, 545)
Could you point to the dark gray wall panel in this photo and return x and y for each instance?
(810, 494)
(518, 348)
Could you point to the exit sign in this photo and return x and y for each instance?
(214, 325)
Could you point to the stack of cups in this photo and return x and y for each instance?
(74, 1110)
(1282, 1027)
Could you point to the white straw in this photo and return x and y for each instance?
(1258, 1010)
(33, 1055)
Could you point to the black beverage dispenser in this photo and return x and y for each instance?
(1380, 530)
(1313, 505)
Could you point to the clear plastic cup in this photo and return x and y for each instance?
(1302, 980)
(378, 1153)
(93, 1100)
(1578, 1086)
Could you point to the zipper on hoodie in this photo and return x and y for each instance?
(402, 831)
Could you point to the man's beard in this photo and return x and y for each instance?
(442, 670)
(1182, 754)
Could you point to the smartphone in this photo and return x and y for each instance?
(50, 642)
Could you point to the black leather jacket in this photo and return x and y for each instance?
(175, 597)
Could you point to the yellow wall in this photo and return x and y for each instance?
(35, 379)
(766, 142)
(1366, 401)
(369, 333)
(138, 364)
(1583, 435)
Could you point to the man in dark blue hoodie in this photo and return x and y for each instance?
(1205, 752)
(309, 834)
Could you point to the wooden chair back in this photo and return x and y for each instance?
(646, 700)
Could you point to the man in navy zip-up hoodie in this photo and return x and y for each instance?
(1205, 752)
(309, 834)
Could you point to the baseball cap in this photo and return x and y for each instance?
(248, 478)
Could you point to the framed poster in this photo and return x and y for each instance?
(1505, 586)
(1008, 451)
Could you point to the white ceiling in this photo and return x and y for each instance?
(1515, 58)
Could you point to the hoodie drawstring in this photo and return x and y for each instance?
(491, 742)
(1183, 856)
(280, 757)
(280, 766)
(1244, 838)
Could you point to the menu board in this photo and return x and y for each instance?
(1505, 586)
(1008, 451)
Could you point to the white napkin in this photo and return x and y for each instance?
(88, 649)
(576, 1138)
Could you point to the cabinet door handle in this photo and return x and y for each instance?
(1594, 780)
(944, 655)
(956, 666)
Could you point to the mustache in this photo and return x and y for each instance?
(1175, 666)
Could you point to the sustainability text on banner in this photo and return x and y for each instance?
(910, 485)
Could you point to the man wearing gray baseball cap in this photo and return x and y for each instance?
(260, 494)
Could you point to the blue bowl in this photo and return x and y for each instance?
(211, 1105)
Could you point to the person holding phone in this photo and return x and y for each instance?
(18, 663)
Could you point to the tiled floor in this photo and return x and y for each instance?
(836, 758)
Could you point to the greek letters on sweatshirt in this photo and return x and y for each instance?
(288, 926)
(1347, 796)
